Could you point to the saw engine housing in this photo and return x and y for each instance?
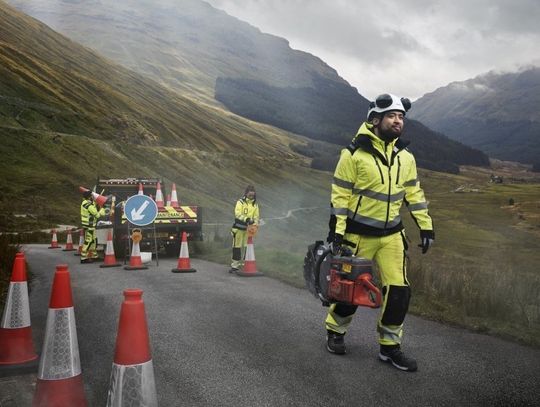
(340, 279)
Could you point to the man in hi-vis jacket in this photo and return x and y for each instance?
(89, 217)
(246, 213)
(374, 176)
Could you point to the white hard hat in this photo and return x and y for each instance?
(387, 102)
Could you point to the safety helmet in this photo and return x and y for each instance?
(386, 103)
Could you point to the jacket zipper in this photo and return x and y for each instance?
(389, 191)
(357, 206)
(379, 167)
(398, 168)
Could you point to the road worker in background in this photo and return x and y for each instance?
(374, 176)
(89, 217)
(246, 215)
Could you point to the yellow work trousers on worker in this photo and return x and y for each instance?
(389, 254)
(239, 242)
(88, 250)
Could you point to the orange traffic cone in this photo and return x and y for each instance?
(69, 242)
(135, 261)
(59, 381)
(81, 242)
(54, 241)
(159, 196)
(141, 192)
(174, 197)
(110, 258)
(101, 200)
(16, 347)
(184, 265)
(250, 266)
(132, 359)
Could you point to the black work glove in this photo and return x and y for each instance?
(336, 244)
(250, 221)
(426, 238)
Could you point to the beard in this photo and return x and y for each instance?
(389, 135)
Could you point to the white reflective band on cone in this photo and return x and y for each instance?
(132, 385)
(184, 251)
(17, 311)
(136, 250)
(250, 253)
(110, 248)
(60, 357)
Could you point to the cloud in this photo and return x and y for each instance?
(409, 48)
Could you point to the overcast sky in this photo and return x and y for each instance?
(407, 47)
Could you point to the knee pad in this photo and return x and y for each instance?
(345, 310)
(237, 253)
(397, 304)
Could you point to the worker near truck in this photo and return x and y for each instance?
(89, 217)
(246, 213)
(374, 176)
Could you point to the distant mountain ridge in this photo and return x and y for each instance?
(203, 53)
(498, 113)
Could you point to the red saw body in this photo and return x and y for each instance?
(351, 282)
(340, 279)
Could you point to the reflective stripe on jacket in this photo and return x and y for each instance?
(245, 208)
(90, 214)
(371, 181)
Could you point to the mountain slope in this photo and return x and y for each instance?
(497, 113)
(67, 115)
(58, 85)
(204, 53)
(186, 44)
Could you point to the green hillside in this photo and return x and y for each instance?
(67, 115)
(186, 44)
(204, 53)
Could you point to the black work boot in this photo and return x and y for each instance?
(233, 270)
(394, 355)
(335, 343)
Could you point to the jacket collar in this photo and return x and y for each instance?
(366, 140)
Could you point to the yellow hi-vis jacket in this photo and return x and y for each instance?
(245, 209)
(90, 214)
(371, 181)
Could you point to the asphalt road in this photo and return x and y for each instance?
(222, 340)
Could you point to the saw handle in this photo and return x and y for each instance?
(373, 289)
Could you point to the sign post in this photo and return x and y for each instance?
(141, 210)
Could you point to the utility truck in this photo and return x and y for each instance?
(165, 233)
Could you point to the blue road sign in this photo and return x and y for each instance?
(140, 210)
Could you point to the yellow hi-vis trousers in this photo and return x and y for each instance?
(238, 247)
(389, 254)
(88, 249)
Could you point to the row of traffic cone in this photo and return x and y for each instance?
(59, 379)
(172, 200)
(135, 260)
(69, 241)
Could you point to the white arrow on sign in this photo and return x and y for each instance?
(137, 214)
